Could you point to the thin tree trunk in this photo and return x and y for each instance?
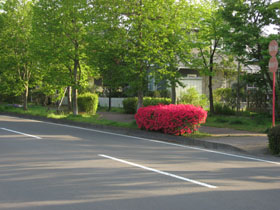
(75, 90)
(238, 89)
(140, 98)
(69, 89)
(173, 93)
(25, 98)
(75, 101)
(60, 103)
(110, 99)
(211, 95)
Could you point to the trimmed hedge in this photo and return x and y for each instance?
(130, 104)
(274, 140)
(88, 102)
(172, 119)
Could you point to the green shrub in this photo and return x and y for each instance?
(88, 102)
(223, 109)
(274, 140)
(130, 104)
(194, 98)
(148, 101)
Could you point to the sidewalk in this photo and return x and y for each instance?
(252, 143)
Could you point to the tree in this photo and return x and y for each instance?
(60, 29)
(208, 36)
(244, 35)
(17, 62)
(148, 37)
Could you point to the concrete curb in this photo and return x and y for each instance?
(135, 132)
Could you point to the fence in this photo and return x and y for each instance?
(115, 102)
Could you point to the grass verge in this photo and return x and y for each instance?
(253, 123)
(51, 113)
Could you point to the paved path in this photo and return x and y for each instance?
(48, 166)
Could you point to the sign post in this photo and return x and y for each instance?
(273, 66)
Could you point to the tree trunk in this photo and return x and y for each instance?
(173, 92)
(238, 89)
(25, 98)
(110, 99)
(211, 95)
(75, 90)
(69, 100)
(75, 101)
(140, 98)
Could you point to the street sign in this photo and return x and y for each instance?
(273, 48)
(273, 64)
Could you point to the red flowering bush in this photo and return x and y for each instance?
(172, 119)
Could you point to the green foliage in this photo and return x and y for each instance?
(88, 102)
(148, 101)
(191, 96)
(274, 140)
(130, 104)
(225, 96)
(223, 109)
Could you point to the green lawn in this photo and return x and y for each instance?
(254, 123)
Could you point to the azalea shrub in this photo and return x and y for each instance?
(171, 119)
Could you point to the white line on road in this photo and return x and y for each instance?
(36, 137)
(162, 142)
(167, 143)
(159, 172)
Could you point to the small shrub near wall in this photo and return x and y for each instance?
(130, 104)
(88, 102)
(171, 119)
(274, 140)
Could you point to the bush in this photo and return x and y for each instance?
(148, 101)
(223, 109)
(88, 102)
(130, 104)
(194, 98)
(172, 119)
(274, 140)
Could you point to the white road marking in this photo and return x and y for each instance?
(159, 172)
(162, 142)
(36, 137)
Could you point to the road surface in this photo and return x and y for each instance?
(47, 166)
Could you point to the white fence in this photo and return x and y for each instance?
(115, 102)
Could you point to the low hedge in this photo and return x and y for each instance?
(172, 119)
(274, 140)
(130, 104)
(88, 102)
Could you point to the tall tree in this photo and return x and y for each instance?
(17, 63)
(208, 36)
(60, 29)
(148, 29)
(244, 36)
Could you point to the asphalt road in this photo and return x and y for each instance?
(50, 166)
